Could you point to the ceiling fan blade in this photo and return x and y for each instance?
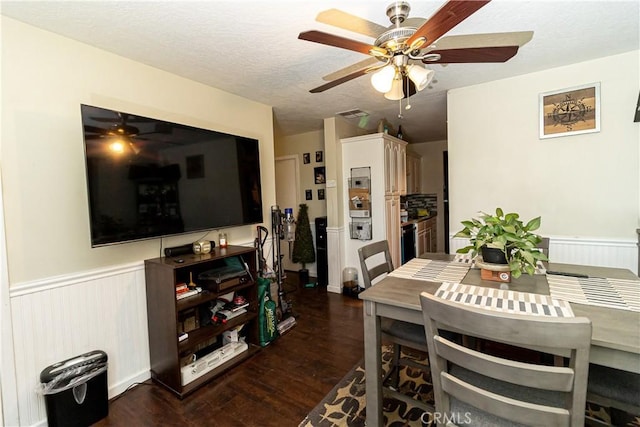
(339, 81)
(367, 63)
(410, 22)
(94, 129)
(518, 38)
(346, 21)
(448, 16)
(124, 118)
(474, 55)
(337, 41)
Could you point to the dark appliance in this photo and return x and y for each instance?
(322, 263)
(408, 244)
(149, 178)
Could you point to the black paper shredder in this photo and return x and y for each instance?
(75, 390)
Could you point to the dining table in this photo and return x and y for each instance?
(615, 338)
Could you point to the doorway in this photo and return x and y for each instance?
(287, 191)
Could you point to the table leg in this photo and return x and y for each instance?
(373, 365)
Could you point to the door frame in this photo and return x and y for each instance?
(445, 198)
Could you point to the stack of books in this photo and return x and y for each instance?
(183, 291)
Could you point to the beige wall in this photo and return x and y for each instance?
(45, 78)
(336, 128)
(297, 145)
(582, 185)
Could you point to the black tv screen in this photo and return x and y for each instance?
(149, 178)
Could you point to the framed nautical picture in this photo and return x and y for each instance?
(571, 111)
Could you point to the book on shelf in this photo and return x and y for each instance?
(188, 293)
(237, 307)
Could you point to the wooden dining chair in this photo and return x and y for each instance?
(375, 262)
(475, 388)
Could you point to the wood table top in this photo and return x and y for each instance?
(612, 328)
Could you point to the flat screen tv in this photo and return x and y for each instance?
(148, 178)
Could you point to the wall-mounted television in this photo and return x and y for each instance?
(149, 178)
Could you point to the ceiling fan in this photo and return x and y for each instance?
(120, 133)
(399, 52)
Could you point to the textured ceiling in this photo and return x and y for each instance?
(250, 48)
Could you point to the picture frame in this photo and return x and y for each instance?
(318, 156)
(308, 195)
(571, 111)
(320, 193)
(195, 166)
(306, 158)
(319, 175)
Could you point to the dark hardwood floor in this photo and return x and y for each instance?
(276, 387)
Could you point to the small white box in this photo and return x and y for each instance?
(230, 336)
(233, 335)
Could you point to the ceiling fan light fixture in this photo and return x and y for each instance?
(420, 76)
(122, 144)
(396, 91)
(382, 80)
(117, 146)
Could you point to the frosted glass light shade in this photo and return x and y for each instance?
(382, 80)
(420, 76)
(396, 91)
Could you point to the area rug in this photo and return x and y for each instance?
(344, 405)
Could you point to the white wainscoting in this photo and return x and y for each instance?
(334, 258)
(584, 251)
(58, 318)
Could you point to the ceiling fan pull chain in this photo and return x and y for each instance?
(408, 106)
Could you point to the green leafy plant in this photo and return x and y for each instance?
(303, 252)
(507, 233)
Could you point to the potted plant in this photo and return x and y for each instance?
(303, 245)
(507, 234)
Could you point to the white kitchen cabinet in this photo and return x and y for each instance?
(386, 156)
(414, 170)
(400, 152)
(426, 236)
(392, 223)
(421, 242)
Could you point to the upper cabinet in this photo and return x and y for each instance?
(414, 170)
(395, 166)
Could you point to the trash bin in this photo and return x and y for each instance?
(75, 390)
(350, 282)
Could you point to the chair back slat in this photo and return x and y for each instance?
(504, 407)
(514, 328)
(525, 374)
(375, 260)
